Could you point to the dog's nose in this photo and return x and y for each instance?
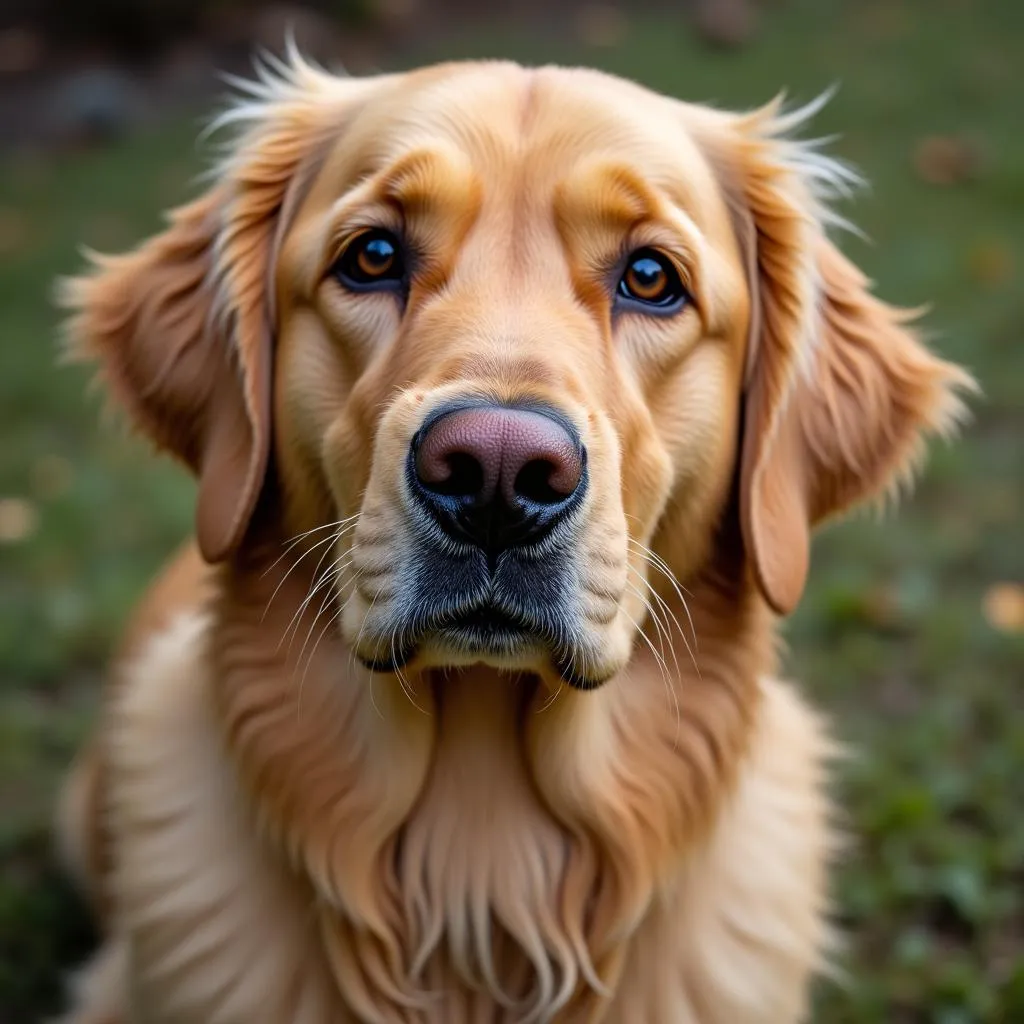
(498, 476)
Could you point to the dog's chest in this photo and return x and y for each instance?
(481, 865)
(492, 897)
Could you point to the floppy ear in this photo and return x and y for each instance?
(182, 328)
(839, 389)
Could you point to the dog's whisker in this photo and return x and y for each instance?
(340, 567)
(290, 545)
(657, 562)
(359, 636)
(692, 651)
(330, 595)
(320, 582)
(661, 564)
(669, 614)
(320, 543)
(551, 698)
(402, 681)
(302, 682)
(288, 633)
(300, 537)
(663, 666)
(664, 632)
(309, 661)
(362, 628)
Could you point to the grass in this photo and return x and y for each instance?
(892, 640)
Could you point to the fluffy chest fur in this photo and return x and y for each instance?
(496, 887)
(482, 866)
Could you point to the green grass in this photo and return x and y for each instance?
(891, 640)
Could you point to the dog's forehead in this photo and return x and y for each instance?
(544, 123)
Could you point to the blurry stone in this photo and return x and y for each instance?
(174, 184)
(394, 13)
(991, 262)
(51, 476)
(1004, 607)
(882, 609)
(14, 231)
(107, 231)
(946, 159)
(21, 50)
(724, 24)
(29, 168)
(885, 21)
(188, 70)
(601, 25)
(95, 105)
(18, 520)
(998, 502)
(898, 696)
(316, 36)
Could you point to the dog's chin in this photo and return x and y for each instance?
(484, 637)
(480, 638)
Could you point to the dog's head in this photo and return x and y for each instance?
(523, 338)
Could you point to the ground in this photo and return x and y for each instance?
(910, 634)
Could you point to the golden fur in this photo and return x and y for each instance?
(272, 832)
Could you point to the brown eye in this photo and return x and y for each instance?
(371, 262)
(652, 281)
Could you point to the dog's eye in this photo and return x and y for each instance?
(372, 260)
(650, 280)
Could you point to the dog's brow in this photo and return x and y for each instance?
(613, 193)
(436, 188)
(427, 179)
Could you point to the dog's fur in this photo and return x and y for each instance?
(272, 832)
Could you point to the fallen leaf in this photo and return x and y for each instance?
(1004, 607)
(107, 231)
(990, 262)
(18, 519)
(51, 476)
(601, 25)
(885, 22)
(14, 231)
(21, 50)
(946, 159)
(881, 608)
(727, 24)
(394, 12)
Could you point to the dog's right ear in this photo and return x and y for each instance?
(190, 380)
(182, 328)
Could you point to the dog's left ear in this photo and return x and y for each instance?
(182, 328)
(839, 390)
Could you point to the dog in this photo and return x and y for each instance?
(513, 397)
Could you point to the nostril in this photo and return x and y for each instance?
(464, 476)
(495, 475)
(536, 482)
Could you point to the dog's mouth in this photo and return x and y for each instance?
(487, 634)
(452, 610)
(488, 630)
(484, 632)
(481, 631)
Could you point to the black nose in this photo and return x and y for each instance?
(495, 476)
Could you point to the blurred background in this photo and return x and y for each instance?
(912, 634)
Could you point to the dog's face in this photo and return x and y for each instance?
(502, 328)
(512, 321)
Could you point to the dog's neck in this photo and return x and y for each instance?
(469, 826)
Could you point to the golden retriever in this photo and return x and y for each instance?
(513, 396)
